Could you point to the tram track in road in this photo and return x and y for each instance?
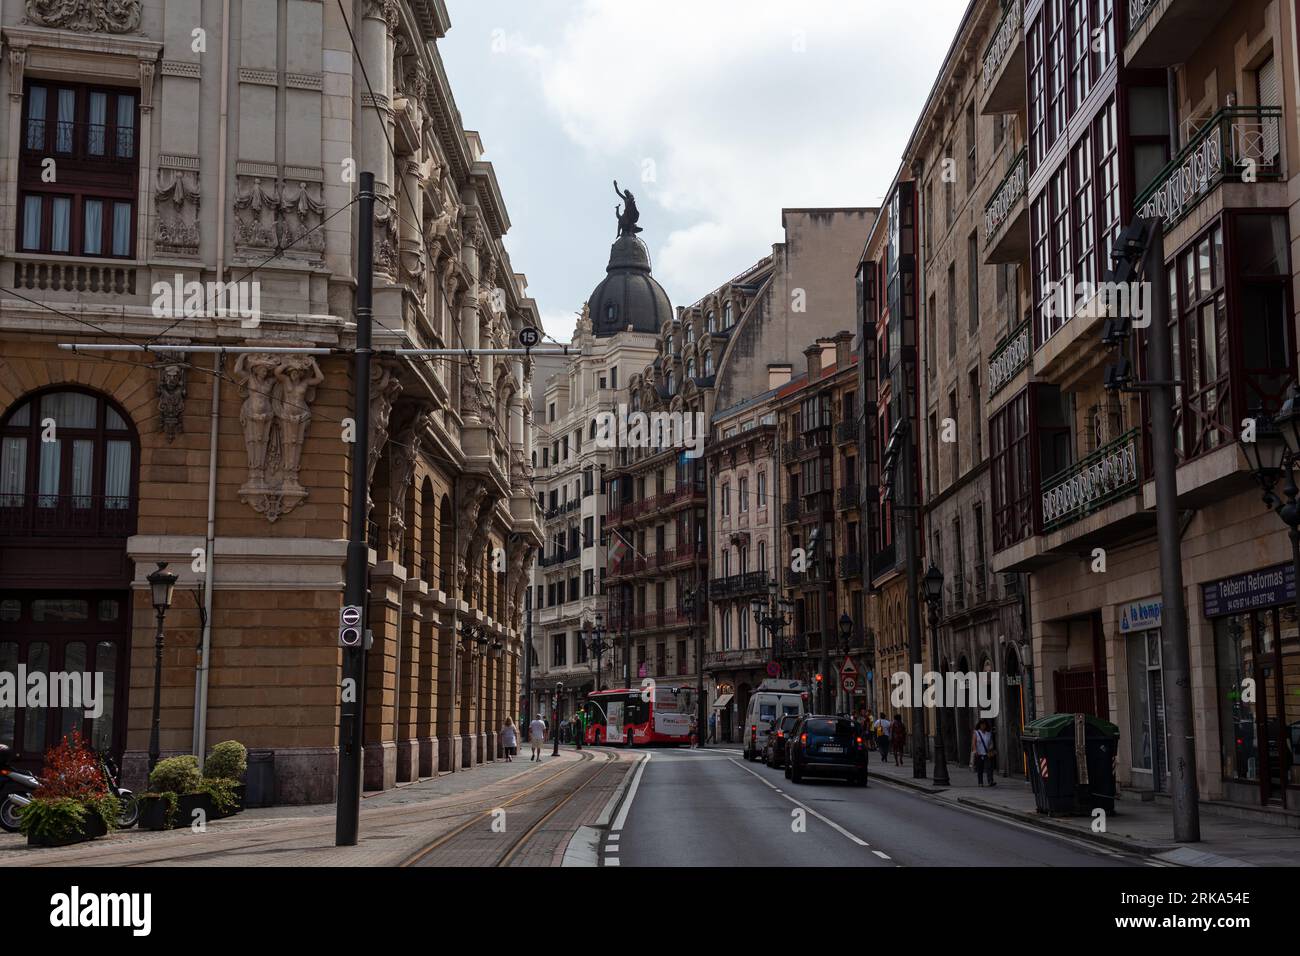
(491, 847)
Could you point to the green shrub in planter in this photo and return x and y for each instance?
(228, 760)
(178, 775)
(224, 796)
(54, 821)
(106, 808)
(158, 811)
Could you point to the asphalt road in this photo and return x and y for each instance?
(712, 808)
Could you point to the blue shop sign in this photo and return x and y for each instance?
(1140, 616)
(1270, 587)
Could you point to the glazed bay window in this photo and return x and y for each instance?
(1012, 474)
(90, 136)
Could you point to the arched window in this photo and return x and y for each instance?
(446, 545)
(726, 316)
(708, 364)
(690, 368)
(428, 531)
(611, 312)
(668, 344)
(708, 321)
(668, 381)
(81, 481)
(690, 332)
(762, 555)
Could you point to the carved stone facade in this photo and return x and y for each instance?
(176, 202)
(275, 416)
(86, 16)
(271, 214)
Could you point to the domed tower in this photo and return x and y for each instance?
(629, 294)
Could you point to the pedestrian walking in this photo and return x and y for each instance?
(897, 738)
(881, 731)
(536, 737)
(713, 728)
(983, 752)
(509, 739)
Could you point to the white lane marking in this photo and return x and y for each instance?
(1027, 827)
(631, 794)
(616, 836)
(612, 862)
(883, 856)
(611, 847)
(830, 823)
(608, 811)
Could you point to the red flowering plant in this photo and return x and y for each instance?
(72, 770)
(72, 786)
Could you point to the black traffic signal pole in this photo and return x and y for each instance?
(352, 713)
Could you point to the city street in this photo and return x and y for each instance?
(712, 808)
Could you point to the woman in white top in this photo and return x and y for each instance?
(509, 739)
(984, 749)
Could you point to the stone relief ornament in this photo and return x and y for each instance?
(384, 389)
(278, 215)
(176, 199)
(385, 248)
(171, 399)
(405, 451)
(86, 16)
(276, 413)
(257, 210)
(471, 401)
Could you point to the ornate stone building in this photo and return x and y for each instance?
(235, 469)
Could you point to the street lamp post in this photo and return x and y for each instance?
(846, 632)
(690, 604)
(162, 582)
(934, 598)
(555, 719)
(597, 645)
(1273, 455)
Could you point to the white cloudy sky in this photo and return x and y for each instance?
(715, 113)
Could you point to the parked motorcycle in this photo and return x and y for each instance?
(16, 789)
(130, 807)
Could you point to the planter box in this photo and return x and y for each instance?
(33, 840)
(94, 826)
(153, 814)
(187, 803)
(239, 798)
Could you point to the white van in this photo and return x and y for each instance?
(773, 700)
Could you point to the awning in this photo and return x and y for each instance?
(722, 701)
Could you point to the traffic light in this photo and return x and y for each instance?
(818, 679)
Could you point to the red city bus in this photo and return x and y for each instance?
(636, 717)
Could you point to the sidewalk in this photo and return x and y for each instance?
(1135, 826)
(394, 823)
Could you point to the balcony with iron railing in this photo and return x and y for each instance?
(1010, 358)
(883, 561)
(69, 516)
(1238, 145)
(849, 497)
(790, 512)
(850, 565)
(1163, 33)
(1109, 473)
(1002, 68)
(1006, 215)
(739, 585)
(846, 433)
(80, 142)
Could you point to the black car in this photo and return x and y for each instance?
(823, 745)
(775, 749)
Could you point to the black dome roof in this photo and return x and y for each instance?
(629, 294)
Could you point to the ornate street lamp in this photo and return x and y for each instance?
(555, 718)
(1273, 456)
(597, 645)
(933, 585)
(163, 583)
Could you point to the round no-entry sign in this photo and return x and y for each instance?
(773, 669)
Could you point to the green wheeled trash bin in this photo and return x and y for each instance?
(1049, 744)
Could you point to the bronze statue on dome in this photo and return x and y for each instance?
(627, 214)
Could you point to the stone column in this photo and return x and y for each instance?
(408, 683)
(427, 691)
(447, 719)
(470, 393)
(380, 748)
